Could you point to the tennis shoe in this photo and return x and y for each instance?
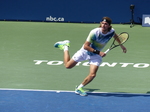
(80, 91)
(61, 44)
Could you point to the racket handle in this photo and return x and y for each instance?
(107, 51)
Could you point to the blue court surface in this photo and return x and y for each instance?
(66, 101)
(32, 70)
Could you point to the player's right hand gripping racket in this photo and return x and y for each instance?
(123, 37)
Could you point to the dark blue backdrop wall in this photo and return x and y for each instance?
(73, 10)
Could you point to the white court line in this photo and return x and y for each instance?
(9, 89)
(33, 90)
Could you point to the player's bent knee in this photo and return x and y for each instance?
(70, 65)
(93, 75)
(67, 66)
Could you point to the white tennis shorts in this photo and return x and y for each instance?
(82, 55)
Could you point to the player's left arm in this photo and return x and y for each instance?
(122, 47)
(88, 42)
(88, 48)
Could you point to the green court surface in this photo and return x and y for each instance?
(28, 59)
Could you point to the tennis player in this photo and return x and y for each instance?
(91, 50)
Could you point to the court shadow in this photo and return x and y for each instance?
(148, 92)
(90, 90)
(119, 94)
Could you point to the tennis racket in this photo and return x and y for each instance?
(123, 37)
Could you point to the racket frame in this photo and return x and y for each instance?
(113, 45)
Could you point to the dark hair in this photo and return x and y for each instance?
(108, 20)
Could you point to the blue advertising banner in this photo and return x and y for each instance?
(86, 11)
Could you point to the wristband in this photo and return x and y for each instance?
(96, 51)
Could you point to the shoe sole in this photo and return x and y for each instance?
(57, 43)
(79, 94)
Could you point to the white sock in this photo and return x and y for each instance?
(80, 86)
(65, 48)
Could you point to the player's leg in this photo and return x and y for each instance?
(91, 76)
(64, 45)
(94, 65)
(87, 80)
(68, 63)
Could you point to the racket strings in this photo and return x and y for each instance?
(123, 38)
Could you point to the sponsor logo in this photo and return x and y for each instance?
(56, 19)
(147, 20)
(103, 64)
